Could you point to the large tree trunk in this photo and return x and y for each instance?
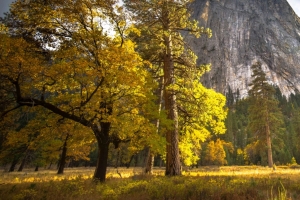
(63, 158)
(172, 159)
(269, 146)
(103, 147)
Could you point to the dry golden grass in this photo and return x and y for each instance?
(213, 183)
(246, 171)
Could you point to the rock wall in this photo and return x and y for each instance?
(244, 32)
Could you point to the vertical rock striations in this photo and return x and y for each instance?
(246, 31)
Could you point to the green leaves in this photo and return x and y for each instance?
(265, 117)
(263, 107)
(200, 110)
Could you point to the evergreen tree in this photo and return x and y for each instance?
(294, 122)
(163, 22)
(264, 115)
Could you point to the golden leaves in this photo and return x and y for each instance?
(19, 61)
(3, 29)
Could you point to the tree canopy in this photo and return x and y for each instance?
(58, 56)
(90, 78)
(190, 106)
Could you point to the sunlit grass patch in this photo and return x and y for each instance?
(45, 175)
(215, 184)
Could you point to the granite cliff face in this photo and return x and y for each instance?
(244, 32)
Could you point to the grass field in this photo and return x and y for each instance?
(207, 183)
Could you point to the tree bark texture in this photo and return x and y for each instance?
(269, 146)
(172, 159)
(149, 162)
(103, 141)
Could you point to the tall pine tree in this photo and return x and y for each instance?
(164, 21)
(264, 114)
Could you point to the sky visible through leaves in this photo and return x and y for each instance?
(4, 6)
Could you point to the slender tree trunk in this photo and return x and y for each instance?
(136, 160)
(24, 160)
(103, 147)
(269, 146)
(13, 165)
(149, 162)
(57, 165)
(36, 168)
(118, 158)
(23, 163)
(70, 163)
(50, 165)
(128, 164)
(150, 156)
(172, 158)
(62, 161)
(160, 162)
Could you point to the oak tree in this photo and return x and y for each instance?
(90, 77)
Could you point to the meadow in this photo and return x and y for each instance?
(207, 183)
